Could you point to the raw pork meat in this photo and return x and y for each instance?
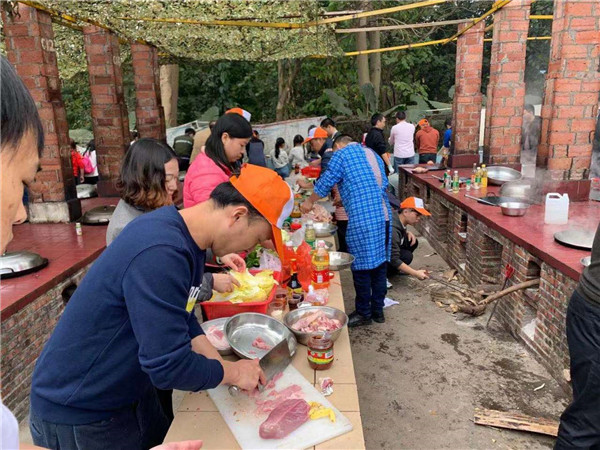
(284, 419)
(275, 398)
(261, 344)
(217, 338)
(317, 321)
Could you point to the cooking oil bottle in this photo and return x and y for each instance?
(484, 176)
(478, 178)
(320, 267)
(309, 233)
(473, 174)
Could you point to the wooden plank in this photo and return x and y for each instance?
(515, 421)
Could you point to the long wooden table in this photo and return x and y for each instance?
(198, 418)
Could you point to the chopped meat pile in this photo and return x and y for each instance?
(317, 321)
(284, 419)
(261, 344)
(319, 214)
(275, 398)
(217, 338)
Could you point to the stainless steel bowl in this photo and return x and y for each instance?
(242, 329)
(324, 229)
(221, 324)
(293, 316)
(515, 209)
(586, 261)
(340, 260)
(499, 175)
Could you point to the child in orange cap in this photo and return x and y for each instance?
(404, 243)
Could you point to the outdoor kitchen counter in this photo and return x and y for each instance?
(198, 418)
(528, 231)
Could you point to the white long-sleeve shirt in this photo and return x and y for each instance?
(402, 138)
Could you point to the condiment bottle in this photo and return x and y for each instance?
(310, 236)
(473, 175)
(455, 182)
(320, 267)
(477, 178)
(320, 352)
(448, 181)
(484, 176)
(296, 213)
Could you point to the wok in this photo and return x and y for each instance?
(498, 175)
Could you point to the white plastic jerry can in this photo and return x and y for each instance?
(557, 209)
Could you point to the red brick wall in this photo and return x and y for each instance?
(24, 334)
(109, 111)
(150, 117)
(29, 41)
(506, 87)
(484, 257)
(466, 108)
(572, 88)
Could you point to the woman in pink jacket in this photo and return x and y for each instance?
(218, 162)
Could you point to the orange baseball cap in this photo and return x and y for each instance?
(242, 112)
(423, 122)
(269, 194)
(316, 133)
(415, 203)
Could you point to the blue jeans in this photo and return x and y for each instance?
(401, 161)
(283, 172)
(580, 423)
(371, 288)
(140, 426)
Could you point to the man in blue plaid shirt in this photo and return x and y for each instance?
(360, 177)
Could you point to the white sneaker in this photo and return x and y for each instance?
(389, 285)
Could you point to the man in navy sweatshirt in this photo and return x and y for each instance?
(130, 324)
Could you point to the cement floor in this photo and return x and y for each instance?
(422, 373)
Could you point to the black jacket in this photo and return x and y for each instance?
(398, 239)
(375, 141)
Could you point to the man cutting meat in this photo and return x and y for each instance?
(360, 176)
(130, 324)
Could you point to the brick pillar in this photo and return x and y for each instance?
(572, 87)
(466, 108)
(30, 48)
(506, 87)
(149, 113)
(109, 111)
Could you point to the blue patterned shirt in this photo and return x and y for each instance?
(360, 176)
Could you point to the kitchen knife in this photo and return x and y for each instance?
(275, 361)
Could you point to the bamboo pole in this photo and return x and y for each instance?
(399, 47)
(499, 4)
(403, 27)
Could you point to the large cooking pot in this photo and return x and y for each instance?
(98, 216)
(518, 189)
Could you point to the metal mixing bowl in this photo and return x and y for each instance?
(324, 229)
(243, 328)
(515, 209)
(293, 316)
(340, 260)
(499, 175)
(221, 324)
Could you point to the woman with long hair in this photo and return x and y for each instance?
(148, 180)
(279, 157)
(224, 148)
(297, 155)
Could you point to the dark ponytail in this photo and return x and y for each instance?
(278, 143)
(236, 127)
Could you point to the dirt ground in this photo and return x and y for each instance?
(421, 374)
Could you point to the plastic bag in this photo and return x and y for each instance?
(269, 261)
(303, 258)
(297, 237)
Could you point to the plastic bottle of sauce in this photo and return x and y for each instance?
(309, 233)
(320, 267)
(320, 352)
(296, 213)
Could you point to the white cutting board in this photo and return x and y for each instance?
(244, 424)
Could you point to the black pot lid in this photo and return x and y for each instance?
(20, 263)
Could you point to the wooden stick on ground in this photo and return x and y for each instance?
(480, 308)
(515, 421)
